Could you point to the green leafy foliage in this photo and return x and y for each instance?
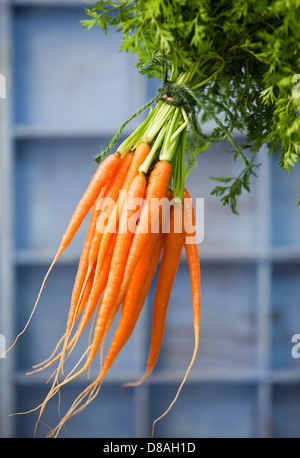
(233, 187)
(247, 55)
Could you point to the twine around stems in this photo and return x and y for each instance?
(182, 95)
(104, 153)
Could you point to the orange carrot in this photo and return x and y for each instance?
(101, 276)
(123, 240)
(102, 176)
(97, 284)
(155, 257)
(195, 276)
(173, 246)
(82, 267)
(134, 298)
(138, 287)
(156, 189)
(92, 390)
(139, 155)
(193, 261)
(112, 193)
(86, 293)
(122, 244)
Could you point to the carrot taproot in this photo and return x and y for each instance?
(93, 389)
(134, 299)
(172, 250)
(82, 268)
(109, 196)
(101, 276)
(98, 282)
(195, 277)
(102, 176)
(78, 283)
(86, 293)
(128, 216)
(149, 221)
(138, 286)
(193, 260)
(139, 155)
(112, 193)
(156, 190)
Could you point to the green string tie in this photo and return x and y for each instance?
(192, 100)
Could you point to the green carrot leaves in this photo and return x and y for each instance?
(247, 55)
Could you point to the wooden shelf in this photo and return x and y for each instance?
(251, 375)
(47, 3)
(207, 254)
(254, 290)
(24, 132)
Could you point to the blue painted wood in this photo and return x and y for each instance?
(286, 418)
(285, 213)
(49, 321)
(222, 228)
(69, 80)
(205, 411)
(285, 315)
(50, 178)
(111, 415)
(228, 329)
(6, 225)
(67, 76)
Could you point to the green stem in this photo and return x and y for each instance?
(151, 156)
(131, 141)
(169, 145)
(163, 112)
(179, 173)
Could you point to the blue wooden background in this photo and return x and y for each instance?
(69, 90)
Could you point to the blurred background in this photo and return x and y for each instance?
(67, 92)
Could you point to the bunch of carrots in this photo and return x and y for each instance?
(130, 233)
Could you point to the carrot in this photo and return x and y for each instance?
(193, 261)
(93, 389)
(139, 155)
(101, 276)
(140, 283)
(134, 298)
(151, 218)
(123, 240)
(173, 246)
(122, 244)
(156, 189)
(82, 268)
(86, 293)
(195, 276)
(98, 282)
(79, 279)
(102, 176)
(150, 256)
(112, 193)
(154, 263)
(138, 288)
